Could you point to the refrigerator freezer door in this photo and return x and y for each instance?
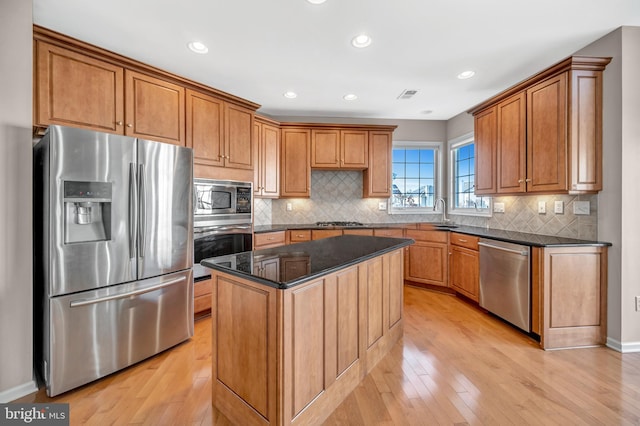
(165, 227)
(95, 333)
(95, 166)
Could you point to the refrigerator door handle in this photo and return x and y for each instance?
(142, 210)
(132, 210)
(85, 302)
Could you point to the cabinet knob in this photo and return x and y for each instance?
(129, 125)
(527, 180)
(118, 123)
(220, 156)
(520, 180)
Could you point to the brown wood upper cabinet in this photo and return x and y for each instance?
(377, 178)
(339, 149)
(154, 109)
(547, 132)
(295, 169)
(266, 171)
(77, 90)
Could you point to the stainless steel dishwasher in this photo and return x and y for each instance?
(505, 283)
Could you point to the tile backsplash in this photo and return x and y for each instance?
(338, 196)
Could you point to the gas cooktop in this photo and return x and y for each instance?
(338, 223)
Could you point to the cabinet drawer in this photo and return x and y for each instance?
(395, 232)
(202, 287)
(367, 232)
(299, 235)
(201, 303)
(462, 240)
(431, 236)
(269, 239)
(318, 234)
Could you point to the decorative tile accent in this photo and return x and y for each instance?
(338, 196)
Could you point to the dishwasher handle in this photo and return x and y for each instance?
(520, 252)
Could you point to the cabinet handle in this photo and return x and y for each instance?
(527, 180)
(118, 123)
(129, 125)
(462, 241)
(270, 238)
(520, 180)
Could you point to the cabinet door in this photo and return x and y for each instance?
(427, 263)
(75, 90)
(325, 148)
(205, 130)
(239, 140)
(295, 168)
(464, 271)
(257, 170)
(585, 131)
(155, 109)
(354, 149)
(318, 234)
(511, 147)
(547, 135)
(485, 126)
(270, 161)
(377, 178)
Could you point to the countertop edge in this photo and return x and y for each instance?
(468, 230)
(405, 242)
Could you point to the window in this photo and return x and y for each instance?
(462, 183)
(415, 176)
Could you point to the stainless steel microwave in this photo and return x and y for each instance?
(220, 202)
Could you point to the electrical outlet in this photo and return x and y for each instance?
(558, 207)
(637, 303)
(498, 207)
(289, 207)
(382, 205)
(542, 207)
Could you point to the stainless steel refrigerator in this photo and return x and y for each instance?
(113, 248)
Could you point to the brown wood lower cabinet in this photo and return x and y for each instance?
(426, 261)
(202, 298)
(283, 357)
(464, 265)
(317, 234)
(569, 296)
(269, 239)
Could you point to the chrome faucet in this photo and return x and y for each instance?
(444, 209)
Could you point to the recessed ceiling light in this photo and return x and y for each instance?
(198, 47)
(290, 95)
(466, 74)
(361, 41)
(427, 111)
(316, 1)
(350, 97)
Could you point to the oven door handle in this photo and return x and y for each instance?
(216, 230)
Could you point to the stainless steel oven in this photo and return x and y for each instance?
(222, 221)
(219, 240)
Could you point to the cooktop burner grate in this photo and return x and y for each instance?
(338, 223)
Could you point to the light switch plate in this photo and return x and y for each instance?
(382, 205)
(581, 207)
(558, 207)
(498, 207)
(289, 207)
(542, 207)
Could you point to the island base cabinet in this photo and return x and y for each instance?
(569, 296)
(291, 356)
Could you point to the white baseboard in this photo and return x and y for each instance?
(616, 345)
(18, 392)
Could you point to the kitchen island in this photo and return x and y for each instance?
(296, 328)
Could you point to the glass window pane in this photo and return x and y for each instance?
(426, 171)
(413, 156)
(413, 170)
(398, 155)
(427, 155)
(398, 170)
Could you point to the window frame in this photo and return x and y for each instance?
(438, 148)
(453, 145)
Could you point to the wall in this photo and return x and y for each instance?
(16, 336)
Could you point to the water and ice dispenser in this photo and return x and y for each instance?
(87, 211)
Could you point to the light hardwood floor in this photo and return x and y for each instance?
(454, 366)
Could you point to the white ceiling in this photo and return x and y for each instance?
(258, 49)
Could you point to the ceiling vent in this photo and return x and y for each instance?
(407, 94)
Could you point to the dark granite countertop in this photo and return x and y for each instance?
(534, 240)
(302, 262)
